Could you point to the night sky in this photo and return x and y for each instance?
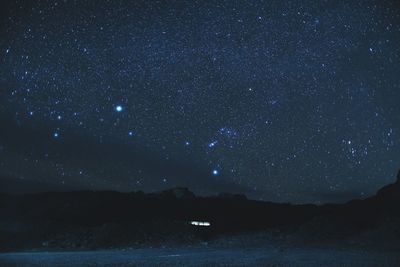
(289, 101)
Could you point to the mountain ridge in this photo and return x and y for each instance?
(90, 219)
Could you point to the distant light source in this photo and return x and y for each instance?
(197, 223)
(215, 172)
(118, 108)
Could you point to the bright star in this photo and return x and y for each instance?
(56, 135)
(130, 133)
(215, 172)
(212, 144)
(118, 108)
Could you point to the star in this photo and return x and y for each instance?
(215, 172)
(212, 144)
(119, 108)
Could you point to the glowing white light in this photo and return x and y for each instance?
(215, 172)
(118, 108)
(197, 223)
(56, 135)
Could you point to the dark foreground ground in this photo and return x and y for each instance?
(205, 256)
(86, 228)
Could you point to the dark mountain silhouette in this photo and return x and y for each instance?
(390, 193)
(87, 219)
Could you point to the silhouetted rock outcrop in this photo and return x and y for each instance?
(391, 192)
(181, 192)
(177, 192)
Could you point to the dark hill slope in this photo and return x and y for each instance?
(89, 219)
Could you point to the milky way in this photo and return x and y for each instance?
(283, 101)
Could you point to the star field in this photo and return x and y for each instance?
(291, 101)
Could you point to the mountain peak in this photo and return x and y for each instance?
(398, 178)
(391, 191)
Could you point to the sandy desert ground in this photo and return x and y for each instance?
(205, 256)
